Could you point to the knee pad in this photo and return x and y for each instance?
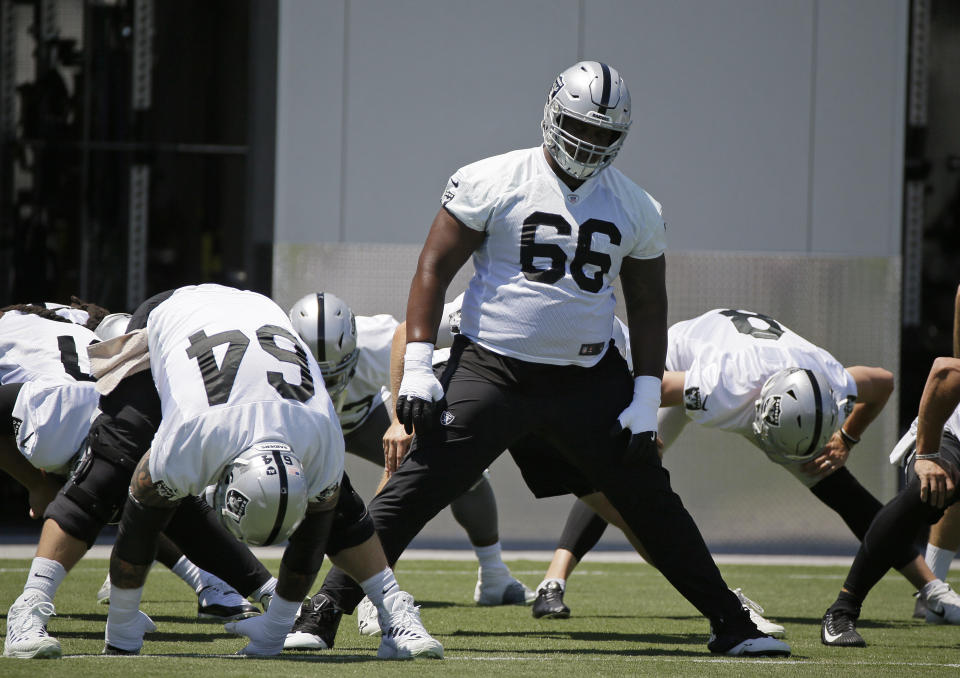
(92, 497)
(140, 526)
(352, 524)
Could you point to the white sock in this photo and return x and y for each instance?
(124, 609)
(380, 586)
(45, 575)
(189, 573)
(561, 582)
(491, 560)
(124, 604)
(939, 560)
(268, 589)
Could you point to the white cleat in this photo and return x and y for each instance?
(103, 595)
(756, 616)
(27, 636)
(502, 590)
(368, 621)
(127, 638)
(405, 637)
(943, 604)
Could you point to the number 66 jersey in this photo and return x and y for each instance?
(231, 372)
(542, 289)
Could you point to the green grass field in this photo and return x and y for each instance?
(627, 621)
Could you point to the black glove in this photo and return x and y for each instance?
(417, 413)
(637, 447)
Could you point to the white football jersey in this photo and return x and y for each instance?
(231, 372)
(32, 347)
(58, 400)
(369, 385)
(542, 289)
(727, 355)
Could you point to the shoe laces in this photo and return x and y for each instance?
(406, 616)
(746, 602)
(32, 617)
(840, 621)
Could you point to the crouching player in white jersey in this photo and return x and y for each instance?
(212, 387)
(746, 373)
(48, 400)
(550, 228)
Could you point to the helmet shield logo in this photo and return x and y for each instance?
(235, 504)
(557, 86)
(771, 411)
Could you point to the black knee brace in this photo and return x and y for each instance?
(352, 524)
(140, 526)
(92, 497)
(851, 500)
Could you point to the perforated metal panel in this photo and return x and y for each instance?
(849, 306)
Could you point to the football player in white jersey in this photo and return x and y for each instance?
(354, 355)
(550, 228)
(738, 371)
(930, 455)
(211, 388)
(48, 398)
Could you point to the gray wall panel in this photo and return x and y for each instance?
(309, 121)
(434, 86)
(859, 130)
(721, 115)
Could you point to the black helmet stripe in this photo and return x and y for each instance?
(818, 421)
(284, 493)
(321, 330)
(605, 89)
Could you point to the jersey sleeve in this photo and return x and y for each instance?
(651, 228)
(471, 195)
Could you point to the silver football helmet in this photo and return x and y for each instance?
(261, 496)
(329, 327)
(112, 325)
(588, 92)
(795, 415)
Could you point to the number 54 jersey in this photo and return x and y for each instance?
(232, 372)
(542, 290)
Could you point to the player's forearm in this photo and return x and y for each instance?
(397, 349)
(941, 395)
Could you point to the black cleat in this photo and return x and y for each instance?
(839, 629)
(549, 603)
(223, 604)
(110, 649)
(316, 627)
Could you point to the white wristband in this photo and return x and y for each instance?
(419, 354)
(646, 391)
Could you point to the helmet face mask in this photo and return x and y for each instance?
(329, 328)
(586, 118)
(261, 496)
(795, 415)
